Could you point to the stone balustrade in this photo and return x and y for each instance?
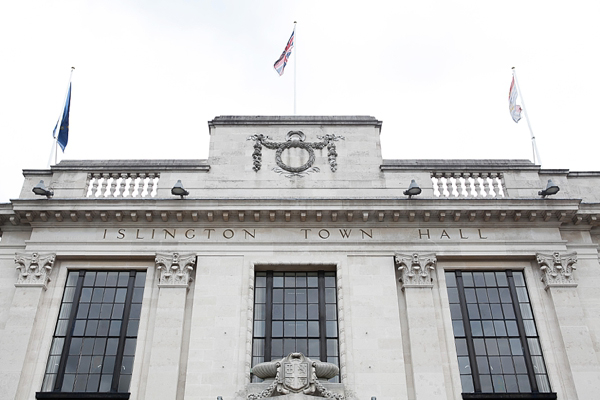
(122, 184)
(468, 184)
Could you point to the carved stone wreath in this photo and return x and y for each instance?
(295, 140)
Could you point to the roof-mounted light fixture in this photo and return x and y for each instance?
(178, 190)
(413, 189)
(41, 190)
(551, 188)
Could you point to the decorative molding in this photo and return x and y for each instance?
(416, 269)
(295, 139)
(557, 270)
(34, 269)
(175, 269)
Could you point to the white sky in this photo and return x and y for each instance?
(150, 74)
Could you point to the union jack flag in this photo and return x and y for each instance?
(282, 61)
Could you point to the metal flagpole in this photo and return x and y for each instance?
(295, 63)
(533, 145)
(60, 115)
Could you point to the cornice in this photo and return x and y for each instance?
(458, 165)
(558, 212)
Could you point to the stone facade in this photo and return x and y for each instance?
(301, 194)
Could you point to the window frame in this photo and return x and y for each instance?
(136, 279)
(523, 337)
(322, 317)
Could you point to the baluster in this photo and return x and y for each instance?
(88, 185)
(462, 192)
(141, 192)
(151, 177)
(123, 185)
(470, 185)
(440, 184)
(501, 186)
(112, 192)
(490, 185)
(96, 184)
(479, 189)
(449, 188)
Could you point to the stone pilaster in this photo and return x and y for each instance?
(19, 342)
(416, 269)
(165, 359)
(416, 274)
(557, 270)
(557, 275)
(34, 269)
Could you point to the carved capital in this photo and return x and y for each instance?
(175, 269)
(557, 270)
(34, 269)
(416, 269)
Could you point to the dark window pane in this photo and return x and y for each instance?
(301, 311)
(450, 279)
(480, 348)
(455, 311)
(330, 295)
(301, 296)
(277, 329)
(277, 295)
(459, 329)
(473, 310)
(290, 311)
(313, 311)
(140, 279)
(479, 279)
(453, 295)
(468, 279)
(123, 279)
(89, 279)
(461, 347)
(277, 311)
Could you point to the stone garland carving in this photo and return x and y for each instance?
(296, 373)
(295, 139)
(175, 269)
(557, 270)
(34, 269)
(416, 269)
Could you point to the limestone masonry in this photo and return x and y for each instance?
(297, 249)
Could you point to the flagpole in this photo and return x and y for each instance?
(533, 145)
(60, 115)
(295, 63)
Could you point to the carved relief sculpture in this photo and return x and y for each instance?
(295, 139)
(295, 374)
(557, 270)
(34, 269)
(175, 269)
(416, 269)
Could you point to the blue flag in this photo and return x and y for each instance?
(63, 132)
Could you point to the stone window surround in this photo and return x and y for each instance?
(295, 266)
(543, 311)
(50, 309)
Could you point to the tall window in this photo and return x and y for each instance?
(295, 312)
(96, 333)
(495, 335)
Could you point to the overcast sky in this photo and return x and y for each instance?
(151, 74)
